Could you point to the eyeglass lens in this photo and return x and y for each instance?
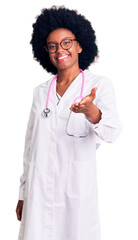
(65, 44)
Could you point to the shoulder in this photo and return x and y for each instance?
(98, 80)
(104, 84)
(45, 85)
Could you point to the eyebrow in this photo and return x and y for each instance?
(60, 41)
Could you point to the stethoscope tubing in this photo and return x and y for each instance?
(46, 111)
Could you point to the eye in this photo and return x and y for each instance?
(66, 42)
(51, 46)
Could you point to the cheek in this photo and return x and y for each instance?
(51, 57)
(76, 52)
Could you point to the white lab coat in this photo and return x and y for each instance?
(58, 184)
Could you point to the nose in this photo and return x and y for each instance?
(59, 48)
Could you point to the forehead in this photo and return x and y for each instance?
(59, 34)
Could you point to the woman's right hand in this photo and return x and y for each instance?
(19, 209)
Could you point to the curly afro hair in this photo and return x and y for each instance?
(61, 17)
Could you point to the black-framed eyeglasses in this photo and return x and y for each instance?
(66, 44)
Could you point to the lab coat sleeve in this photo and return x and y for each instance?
(26, 154)
(109, 127)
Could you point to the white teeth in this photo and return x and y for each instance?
(63, 57)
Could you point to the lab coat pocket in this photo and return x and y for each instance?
(77, 125)
(79, 179)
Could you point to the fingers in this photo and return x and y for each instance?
(78, 108)
(19, 209)
(18, 212)
(75, 106)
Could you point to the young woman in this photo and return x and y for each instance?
(70, 114)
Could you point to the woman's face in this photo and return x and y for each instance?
(64, 59)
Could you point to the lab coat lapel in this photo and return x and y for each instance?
(70, 94)
(52, 97)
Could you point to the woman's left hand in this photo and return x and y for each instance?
(84, 106)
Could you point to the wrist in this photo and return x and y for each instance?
(93, 114)
(90, 110)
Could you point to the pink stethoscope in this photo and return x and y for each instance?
(46, 112)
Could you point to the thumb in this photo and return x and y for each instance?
(93, 92)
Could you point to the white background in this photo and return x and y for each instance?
(115, 23)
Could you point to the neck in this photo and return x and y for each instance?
(67, 76)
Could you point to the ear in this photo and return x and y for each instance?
(79, 48)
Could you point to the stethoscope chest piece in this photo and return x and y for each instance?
(46, 112)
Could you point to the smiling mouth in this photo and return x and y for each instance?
(63, 57)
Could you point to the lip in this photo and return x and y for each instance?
(63, 57)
